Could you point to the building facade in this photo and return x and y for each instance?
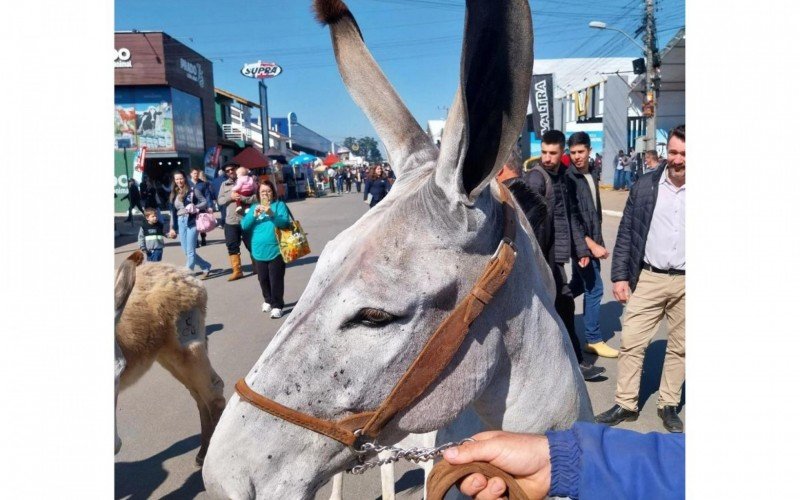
(163, 108)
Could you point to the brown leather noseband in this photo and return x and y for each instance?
(437, 353)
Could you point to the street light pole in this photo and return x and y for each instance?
(649, 105)
(650, 94)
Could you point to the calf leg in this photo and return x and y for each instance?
(191, 366)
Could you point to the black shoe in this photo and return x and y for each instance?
(591, 372)
(669, 415)
(616, 415)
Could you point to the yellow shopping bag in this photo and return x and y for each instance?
(292, 241)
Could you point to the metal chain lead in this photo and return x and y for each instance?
(414, 454)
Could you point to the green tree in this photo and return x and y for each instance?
(349, 141)
(368, 147)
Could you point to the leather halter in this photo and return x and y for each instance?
(428, 365)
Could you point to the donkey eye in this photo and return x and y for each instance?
(371, 317)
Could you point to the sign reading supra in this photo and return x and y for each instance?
(261, 70)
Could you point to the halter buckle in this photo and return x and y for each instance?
(508, 242)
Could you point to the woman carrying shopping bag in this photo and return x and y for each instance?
(260, 222)
(185, 203)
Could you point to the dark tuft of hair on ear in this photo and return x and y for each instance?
(329, 11)
(136, 257)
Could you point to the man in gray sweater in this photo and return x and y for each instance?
(234, 236)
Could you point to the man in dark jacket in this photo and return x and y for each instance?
(587, 280)
(566, 241)
(134, 199)
(649, 271)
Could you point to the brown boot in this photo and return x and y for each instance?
(236, 265)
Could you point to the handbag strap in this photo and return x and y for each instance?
(291, 216)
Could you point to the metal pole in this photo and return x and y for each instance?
(125, 156)
(650, 90)
(264, 102)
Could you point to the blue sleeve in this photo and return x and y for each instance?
(249, 220)
(592, 461)
(281, 219)
(367, 187)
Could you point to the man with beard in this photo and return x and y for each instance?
(234, 236)
(566, 239)
(649, 270)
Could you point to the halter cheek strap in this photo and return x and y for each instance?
(429, 364)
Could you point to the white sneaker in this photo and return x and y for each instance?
(276, 313)
(265, 307)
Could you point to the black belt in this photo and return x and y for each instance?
(671, 272)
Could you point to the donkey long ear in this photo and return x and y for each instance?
(404, 139)
(490, 104)
(124, 281)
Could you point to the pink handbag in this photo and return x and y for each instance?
(205, 222)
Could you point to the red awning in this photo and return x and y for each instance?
(250, 157)
(330, 159)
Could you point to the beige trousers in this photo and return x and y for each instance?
(656, 296)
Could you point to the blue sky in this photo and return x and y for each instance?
(416, 42)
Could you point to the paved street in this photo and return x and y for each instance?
(158, 420)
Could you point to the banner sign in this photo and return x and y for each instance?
(261, 70)
(138, 164)
(542, 103)
(211, 161)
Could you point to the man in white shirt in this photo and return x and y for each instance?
(649, 272)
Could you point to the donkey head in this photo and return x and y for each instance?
(382, 286)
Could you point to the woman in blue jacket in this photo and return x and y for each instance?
(377, 185)
(260, 222)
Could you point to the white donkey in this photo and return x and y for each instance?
(382, 286)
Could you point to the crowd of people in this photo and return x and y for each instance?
(563, 204)
(378, 177)
(630, 166)
(648, 270)
(250, 211)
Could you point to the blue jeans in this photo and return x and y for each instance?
(188, 236)
(628, 183)
(619, 178)
(587, 281)
(155, 255)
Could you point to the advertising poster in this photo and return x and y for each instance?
(188, 122)
(124, 118)
(143, 117)
(154, 119)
